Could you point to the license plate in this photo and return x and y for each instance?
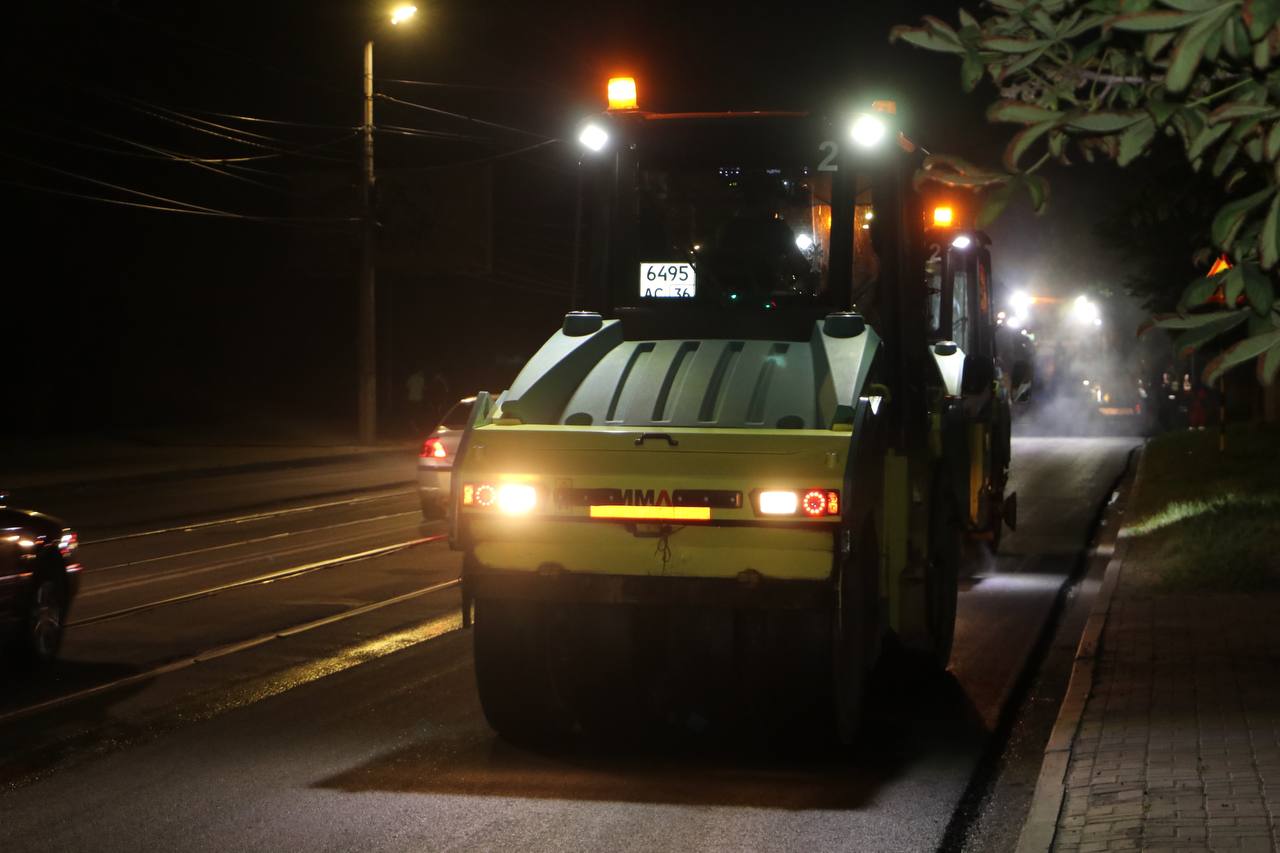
(668, 281)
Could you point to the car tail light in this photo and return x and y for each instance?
(812, 503)
(433, 448)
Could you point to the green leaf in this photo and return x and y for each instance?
(1058, 145)
(1160, 109)
(967, 20)
(1135, 140)
(1148, 22)
(1204, 139)
(1239, 353)
(1269, 236)
(1043, 24)
(1213, 47)
(1027, 60)
(1231, 216)
(1262, 54)
(1261, 16)
(1189, 49)
(1232, 285)
(994, 204)
(1226, 154)
(952, 179)
(1192, 5)
(942, 167)
(1011, 45)
(926, 38)
(1155, 43)
(1268, 364)
(1236, 40)
(1024, 139)
(1089, 23)
(1104, 122)
(970, 71)
(1199, 292)
(1193, 339)
(1258, 289)
(1244, 127)
(1017, 112)
(1178, 322)
(1272, 148)
(1237, 110)
(1089, 52)
(1038, 189)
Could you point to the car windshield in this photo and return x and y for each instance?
(731, 232)
(725, 212)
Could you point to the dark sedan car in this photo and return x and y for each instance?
(39, 577)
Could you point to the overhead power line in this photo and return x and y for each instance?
(276, 121)
(273, 220)
(306, 151)
(459, 116)
(108, 184)
(233, 134)
(479, 160)
(119, 152)
(473, 86)
(401, 130)
(154, 153)
(168, 205)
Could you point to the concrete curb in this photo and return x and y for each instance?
(1041, 824)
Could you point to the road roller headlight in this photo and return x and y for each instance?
(868, 130)
(809, 503)
(593, 137)
(507, 498)
(778, 503)
(517, 498)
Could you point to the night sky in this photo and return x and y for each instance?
(129, 319)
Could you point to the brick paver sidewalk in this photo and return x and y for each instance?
(1179, 745)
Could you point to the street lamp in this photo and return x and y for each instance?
(367, 319)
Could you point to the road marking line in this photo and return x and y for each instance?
(254, 541)
(279, 574)
(240, 519)
(233, 648)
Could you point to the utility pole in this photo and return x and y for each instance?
(367, 318)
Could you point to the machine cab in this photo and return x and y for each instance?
(959, 304)
(707, 213)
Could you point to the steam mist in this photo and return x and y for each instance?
(1061, 291)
